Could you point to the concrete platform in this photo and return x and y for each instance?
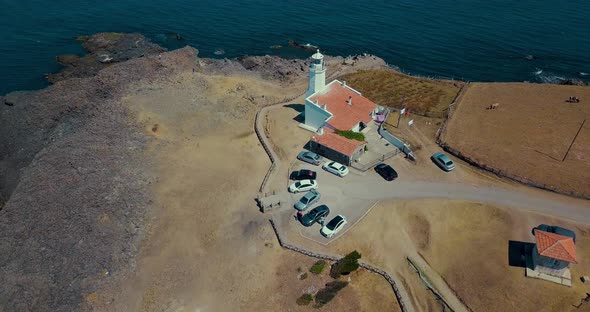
(563, 276)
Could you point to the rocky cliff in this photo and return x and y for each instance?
(74, 175)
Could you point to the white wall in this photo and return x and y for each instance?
(315, 116)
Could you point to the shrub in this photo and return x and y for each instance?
(303, 276)
(349, 134)
(318, 267)
(328, 293)
(346, 265)
(305, 299)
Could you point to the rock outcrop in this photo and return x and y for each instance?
(75, 184)
(74, 180)
(103, 50)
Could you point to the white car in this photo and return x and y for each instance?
(334, 226)
(303, 186)
(336, 168)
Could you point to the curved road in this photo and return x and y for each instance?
(568, 208)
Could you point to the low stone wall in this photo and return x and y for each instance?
(404, 307)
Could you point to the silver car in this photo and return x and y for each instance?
(307, 200)
(310, 157)
(443, 161)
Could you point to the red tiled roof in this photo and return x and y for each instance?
(337, 142)
(345, 116)
(556, 246)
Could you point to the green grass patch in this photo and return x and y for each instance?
(318, 267)
(390, 88)
(305, 299)
(349, 134)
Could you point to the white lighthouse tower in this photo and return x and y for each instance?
(317, 74)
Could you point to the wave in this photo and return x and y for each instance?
(583, 74)
(219, 52)
(548, 77)
(537, 72)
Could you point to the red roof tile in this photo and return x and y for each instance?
(556, 246)
(337, 142)
(345, 116)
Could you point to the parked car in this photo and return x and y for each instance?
(303, 186)
(334, 226)
(386, 171)
(310, 157)
(307, 200)
(336, 168)
(315, 215)
(443, 161)
(303, 174)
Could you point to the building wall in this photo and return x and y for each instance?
(329, 153)
(317, 79)
(315, 116)
(547, 262)
(335, 155)
(358, 153)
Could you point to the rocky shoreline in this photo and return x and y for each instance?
(74, 186)
(74, 181)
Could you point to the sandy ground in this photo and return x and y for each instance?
(209, 248)
(428, 229)
(467, 244)
(532, 128)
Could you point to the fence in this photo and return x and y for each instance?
(368, 166)
(426, 283)
(510, 176)
(450, 111)
(263, 140)
(363, 265)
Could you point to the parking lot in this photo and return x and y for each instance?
(335, 193)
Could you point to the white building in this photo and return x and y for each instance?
(331, 107)
(336, 105)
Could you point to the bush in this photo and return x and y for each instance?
(328, 293)
(303, 276)
(318, 267)
(346, 265)
(349, 134)
(305, 299)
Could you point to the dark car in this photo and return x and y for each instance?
(315, 215)
(386, 172)
(303, 174)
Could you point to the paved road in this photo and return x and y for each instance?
(577, 210)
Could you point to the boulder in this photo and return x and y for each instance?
(573, 82)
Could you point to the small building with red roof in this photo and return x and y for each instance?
(337, 147)
(332, 107)
(552, 253)
(555, 247)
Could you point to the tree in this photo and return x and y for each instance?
(345, 265)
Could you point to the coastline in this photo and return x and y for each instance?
(78, 164)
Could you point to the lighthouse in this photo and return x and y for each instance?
(317, 74)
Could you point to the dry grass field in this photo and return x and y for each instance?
(390, 88)
(529, 133)
(467, 244)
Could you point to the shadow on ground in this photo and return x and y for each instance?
(518, 253)
(300, 108)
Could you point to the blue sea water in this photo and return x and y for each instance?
(478, 40)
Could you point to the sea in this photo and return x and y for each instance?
(475, 40)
